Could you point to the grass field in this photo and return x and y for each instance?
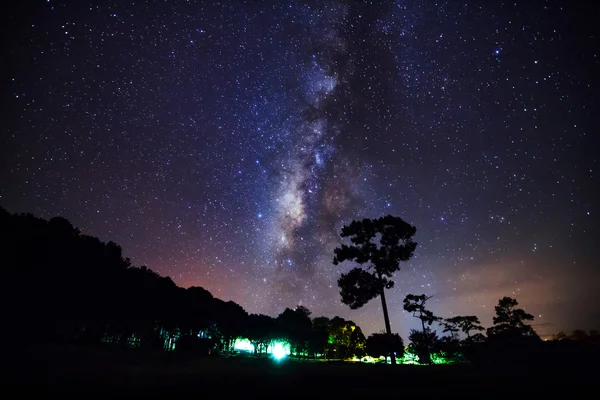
(94, 372)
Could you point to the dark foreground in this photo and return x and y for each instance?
(98, 372)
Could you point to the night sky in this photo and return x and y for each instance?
(225, 145)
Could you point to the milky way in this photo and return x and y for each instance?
(225, 145)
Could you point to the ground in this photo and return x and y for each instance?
(99, 371)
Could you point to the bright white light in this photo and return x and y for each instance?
(243, 345)
(278, 351)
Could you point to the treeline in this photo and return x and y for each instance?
(62, 287)
(511, 340)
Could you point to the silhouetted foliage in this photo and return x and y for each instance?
(578, 335)
(423, 343)
(466, 324)
(509, 322)
(510, 341)
(559, 336)
(60, 286)
(379, 344)
(450, 326)
(67, 287)
(345, 339)
(260, 332)
(415, 304)
(296, 326)
(476, 338)
(425, 340)
(448, 348)
(230, 318)
(319, 337)
(360, 285)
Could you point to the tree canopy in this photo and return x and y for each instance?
(510, 321)
(381, 244)
(382, 343)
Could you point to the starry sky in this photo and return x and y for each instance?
(225, 144)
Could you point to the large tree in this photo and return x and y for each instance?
(378, 245)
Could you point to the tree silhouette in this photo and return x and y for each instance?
(64, 287)
(260, 330)
(360, 285)
(415, 304)
(231, 319)
(296, 326)
(578, 335)
(476, 338)
(467, 324)
(303, 311)
(560, 335)
(319, 338)
(423, 343)
(509, 322)
(450, 326)
(379, 344)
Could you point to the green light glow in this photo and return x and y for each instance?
(438, 359)
(243, 345)
(281, 349)
(410, 358)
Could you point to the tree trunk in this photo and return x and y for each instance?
(386, 318)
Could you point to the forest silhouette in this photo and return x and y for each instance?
(61, 287)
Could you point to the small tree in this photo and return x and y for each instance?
(359, 286)
(423, 342)
(379, 344)
(509, 321)
(415, 304)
